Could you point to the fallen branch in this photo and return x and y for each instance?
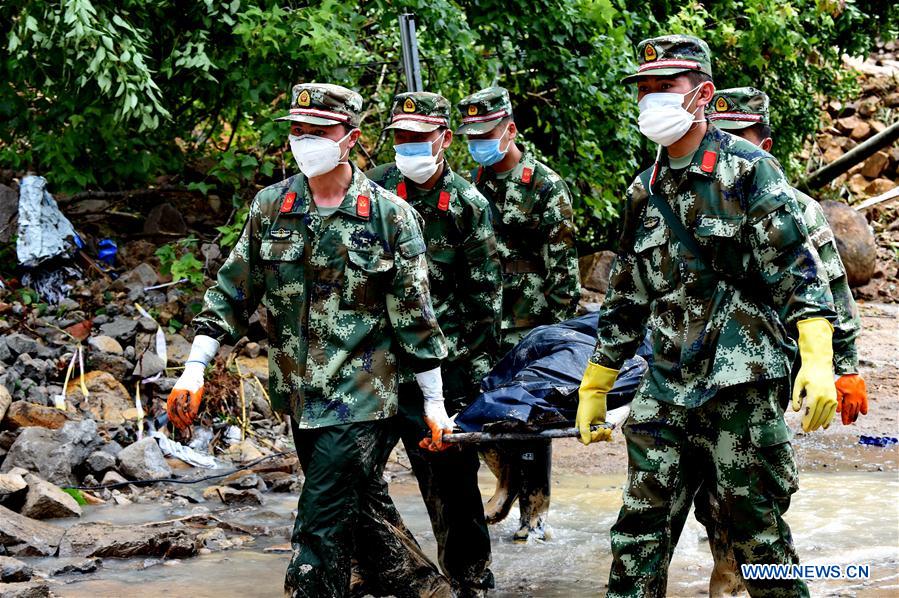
(862, 151)
(891, 194)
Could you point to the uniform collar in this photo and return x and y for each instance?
(351, 205)
(522, 173)
(705, 159)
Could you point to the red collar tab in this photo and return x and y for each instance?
(401, 190)
(444, 201)
(363, 206)
(526, 175)
(287, 204)
(709, 158)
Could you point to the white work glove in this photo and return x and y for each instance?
(431, 384)
(184, 401)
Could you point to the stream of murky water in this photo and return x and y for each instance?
(836, 518)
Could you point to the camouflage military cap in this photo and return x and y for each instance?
(483, 110)
(419, 111)
(671, 55)
(738, 108)
(324, 104)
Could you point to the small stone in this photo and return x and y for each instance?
(22, 414)
(857, 184)
(215, 539)
(13, 570)
(121, 329)
(875, 165)
(107, 399)
(78, 566)
(5, 401)
(113, 477)
(99, 462)
(149, 365)
(11, 483)
(18, 343)
(252, 350)
(233, 497)
(144, 460)
(47, 501)
(878, 186)
(106, 344)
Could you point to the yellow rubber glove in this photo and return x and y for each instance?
(814, 382)
(591, 405)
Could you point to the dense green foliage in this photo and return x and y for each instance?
(110, 94)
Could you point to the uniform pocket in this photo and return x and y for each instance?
(366, 279)
(721, 236)
(281, 250)
(658, 265)
(775, 459)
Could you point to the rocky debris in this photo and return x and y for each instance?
(594, 273)
(233, 496)
(121, 329)
(11, 484)
(105, 344)
(854, 240)
(148, 365)
(99, 462)
(244, 479)
(13, 570)
(67, 566)
(23, 414)
(54, 454)
(25, 589)
(23, 536)
(47, 501)
(135, 280)
(215, 539)
(117, 366)
(278, 481)
(144, 460)
(5, 401)
(97, 539)
(107, 398)
(113, 477)
(19, 343)
(165, 218)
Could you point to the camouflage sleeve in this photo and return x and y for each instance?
(481, 282)
(781, 252)
(845, 357)
(562, 286)
(239, 286)
(625, 310)
(409, 299)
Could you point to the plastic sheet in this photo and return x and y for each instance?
(535, 385)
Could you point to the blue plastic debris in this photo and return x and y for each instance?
(106, 251)
(877, 440)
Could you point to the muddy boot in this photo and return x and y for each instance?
(503, 464)
(533, 501)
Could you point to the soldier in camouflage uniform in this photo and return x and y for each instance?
(339, 263)
(532, 217)
(716, 259)
(743, 112)
(466, 290)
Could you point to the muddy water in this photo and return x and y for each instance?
(838, 518)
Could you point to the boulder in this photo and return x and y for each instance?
(595, 269)
(22, 536)
(854, 241)
(120, 328)
(53, 454)
(23, 414)
(105, 344)
(144, 460)
(99, 462)
(5, 401)
(108, 397)
(13, 570)
(104, 540)
(47, 501)
(25, 589)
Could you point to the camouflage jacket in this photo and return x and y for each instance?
(344, 295)
(845, 357)
(534, 225)
(728, 326)
(463, 266)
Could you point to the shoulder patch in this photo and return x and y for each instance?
(444, 201)
(287, 203)
(709, 158)
(363, 206)
(526, 175)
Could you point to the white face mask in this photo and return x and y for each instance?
(316, 155)
(415, 160)
(663, 118)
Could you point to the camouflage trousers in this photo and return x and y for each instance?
(738, 445)
(448, 482)
(341, 510)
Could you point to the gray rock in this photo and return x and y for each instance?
(76, 566)
(25, 589)
(121, 329)
(11, 483)
(143, 460)
(18, 343)
(134, 282)
(54, 454)
(105, 540)
(99, 462)
(5, 401)
(47, 501)
(118, 366)
(5, 354)
(21, 536)
(13, 570)
(149, 365)
(105, 344)
(101, 319)
(113, 477)
(129, 352)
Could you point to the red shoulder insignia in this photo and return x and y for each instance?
(526, 175)
(444, 201)
(708, 161)
(363, 206)
(287, 204)
(401, 190)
